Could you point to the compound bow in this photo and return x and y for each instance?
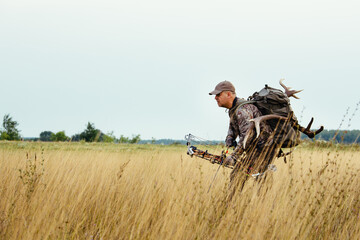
(194, 151)
(219, 159)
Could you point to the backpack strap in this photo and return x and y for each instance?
(242, 103)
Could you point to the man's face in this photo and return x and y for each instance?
(222, 99)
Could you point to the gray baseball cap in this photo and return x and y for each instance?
(223, 86)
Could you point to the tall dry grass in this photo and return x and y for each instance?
(99, 191)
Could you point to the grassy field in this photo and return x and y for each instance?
(116, 191)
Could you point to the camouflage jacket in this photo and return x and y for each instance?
(240, 114)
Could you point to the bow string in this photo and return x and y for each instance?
(197, 152)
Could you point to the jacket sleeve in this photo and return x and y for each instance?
(243, 115)
(231, 137)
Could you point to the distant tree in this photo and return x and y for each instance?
(135, 139)
(4, 135)
(123, 139)
(90, 134)
(45, 136)
(76, 138)
(101, 136)
(59, 137)
(109, 137)
(10, 131)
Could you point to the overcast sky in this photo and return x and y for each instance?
(146, 67)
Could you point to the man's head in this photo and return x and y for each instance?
(224, 94)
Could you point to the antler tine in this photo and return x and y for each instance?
(309, 125)
(248, 133)
(289, 93)
(256, 123)
(308, 132)
(281, 83)
(319, 130)
(258, 120)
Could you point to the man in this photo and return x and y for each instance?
(259, 152)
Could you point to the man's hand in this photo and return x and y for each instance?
(229, 161)
(231, 143)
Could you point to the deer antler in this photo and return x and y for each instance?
(308, 132)
(289, 93)
(247, 135)
(256, 123)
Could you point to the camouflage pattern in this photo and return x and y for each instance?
(259, 152)
(240, 114)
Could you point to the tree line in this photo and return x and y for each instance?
(90, 134)
(340, 136)
(10, 131)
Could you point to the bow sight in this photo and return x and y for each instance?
(194, 151)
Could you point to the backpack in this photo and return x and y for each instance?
(274, 101)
